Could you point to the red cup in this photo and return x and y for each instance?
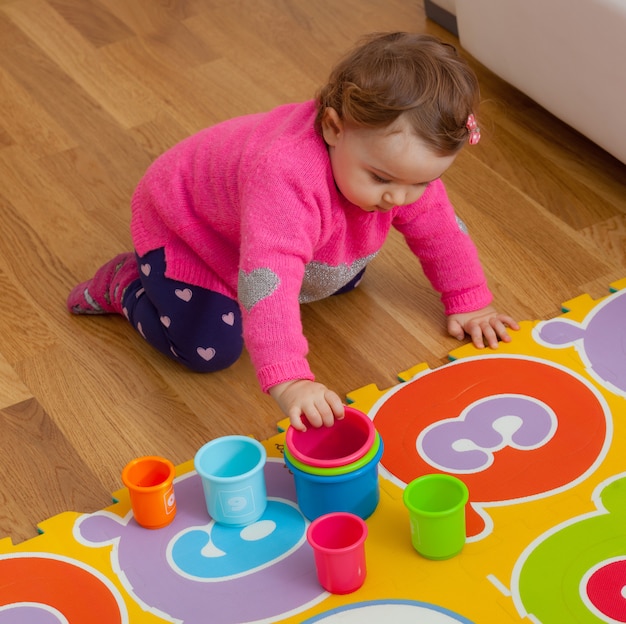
(345, 442)
(338, 542)
(150, 483)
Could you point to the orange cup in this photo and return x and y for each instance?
(150, 482)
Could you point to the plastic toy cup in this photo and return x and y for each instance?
(336, 470)
(338, 542)
(327, 447)
(355, 492)
(436, 504)
(150, 483)
(233, 479)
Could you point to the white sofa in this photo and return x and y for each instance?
(570, 57)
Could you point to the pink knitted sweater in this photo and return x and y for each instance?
(249, 208)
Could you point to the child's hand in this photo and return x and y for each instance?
(303, 397)
(485, 324)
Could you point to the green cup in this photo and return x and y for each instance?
(436, 504)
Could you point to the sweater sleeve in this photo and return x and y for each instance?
(279, 228)
(445, 250)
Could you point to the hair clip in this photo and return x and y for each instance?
(474, 130)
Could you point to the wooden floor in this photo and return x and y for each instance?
(92, 90)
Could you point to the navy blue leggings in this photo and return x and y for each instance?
(197, 327)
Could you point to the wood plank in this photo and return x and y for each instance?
(45, 474)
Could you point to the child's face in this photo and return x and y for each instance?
(377, 169)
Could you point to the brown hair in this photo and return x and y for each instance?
(415, 75)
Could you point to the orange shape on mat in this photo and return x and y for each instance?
(70, 589)
(581, 434)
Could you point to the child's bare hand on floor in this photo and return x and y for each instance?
(313, 400)
(482, 325)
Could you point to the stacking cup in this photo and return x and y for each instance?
(338, 542)
(150, 483)
(346, 441)
(335, 470)
(233, 479)
(436, 504)
(355, 492)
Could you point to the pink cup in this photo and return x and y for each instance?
(338, 542)
(345, 442)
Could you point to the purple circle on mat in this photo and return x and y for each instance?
(30, 614)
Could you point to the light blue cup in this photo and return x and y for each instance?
(355, 492)
(233, 479)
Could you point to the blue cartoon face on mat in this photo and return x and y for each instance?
(600, 339)
(184, 570)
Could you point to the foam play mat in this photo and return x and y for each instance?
(536, 430)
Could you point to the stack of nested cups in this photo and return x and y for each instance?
(336, 468)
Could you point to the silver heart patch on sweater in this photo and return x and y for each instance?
(322, 280)
(255, 286)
